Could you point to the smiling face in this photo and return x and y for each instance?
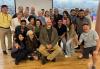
(30, 34)
(73, 13)
(23, 23)
(86, 28)
(32, 21)
(38, 23)
(81, 14)
(20, 36)
(49, 24)
(20, 15)
(40, 13)
(60, 22)
(47, 13)
(20, 9)
(4, 10)
(68, 21)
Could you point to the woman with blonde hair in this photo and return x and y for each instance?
(32, 45)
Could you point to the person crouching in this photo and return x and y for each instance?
(19, 51)
(32, 45)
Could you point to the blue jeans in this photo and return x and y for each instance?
(67, 47)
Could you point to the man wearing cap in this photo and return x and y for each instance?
(91, 44)
(5, 23)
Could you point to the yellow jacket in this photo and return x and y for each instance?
(5, 20)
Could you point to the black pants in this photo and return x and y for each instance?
(19, 55)
(87, 51)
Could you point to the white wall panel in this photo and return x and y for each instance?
(38, 4)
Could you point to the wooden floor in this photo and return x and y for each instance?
(6, 62)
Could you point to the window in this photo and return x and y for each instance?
(10, 4)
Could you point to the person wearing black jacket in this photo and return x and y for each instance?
(32, 45)
(57, 16)
(19, 50)
(21, 29)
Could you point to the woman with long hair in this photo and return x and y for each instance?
(19, 50)
(69, 41)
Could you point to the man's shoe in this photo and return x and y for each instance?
(16, 62)
(4, 52)
(54, 60)
(31, 58)
(43, 60)
(93, 67)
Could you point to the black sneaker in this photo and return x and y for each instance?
(54, 60)
(4, 52)
(31, 58)
(93, 67)
(43, 60)
(16, 62)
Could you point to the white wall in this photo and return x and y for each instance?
(38, 4)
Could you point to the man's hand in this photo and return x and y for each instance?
(49, 46)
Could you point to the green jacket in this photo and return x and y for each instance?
(44, 39)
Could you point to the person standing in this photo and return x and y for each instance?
(5, 23)
(57, 16)
(42, 18)
(16, 21)
(31, 25)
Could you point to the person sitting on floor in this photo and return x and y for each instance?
(32, 45)
(48, 39)
(70, 39)
(19, 51)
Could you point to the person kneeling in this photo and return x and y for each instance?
(91, 44)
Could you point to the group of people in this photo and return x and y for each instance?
(46, 35)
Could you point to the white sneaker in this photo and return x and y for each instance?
(75, 46)
(66, 56)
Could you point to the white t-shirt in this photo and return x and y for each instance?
(14, 24)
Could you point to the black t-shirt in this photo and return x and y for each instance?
(61, 30)
(57, 17)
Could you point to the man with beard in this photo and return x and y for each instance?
(48, 39)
